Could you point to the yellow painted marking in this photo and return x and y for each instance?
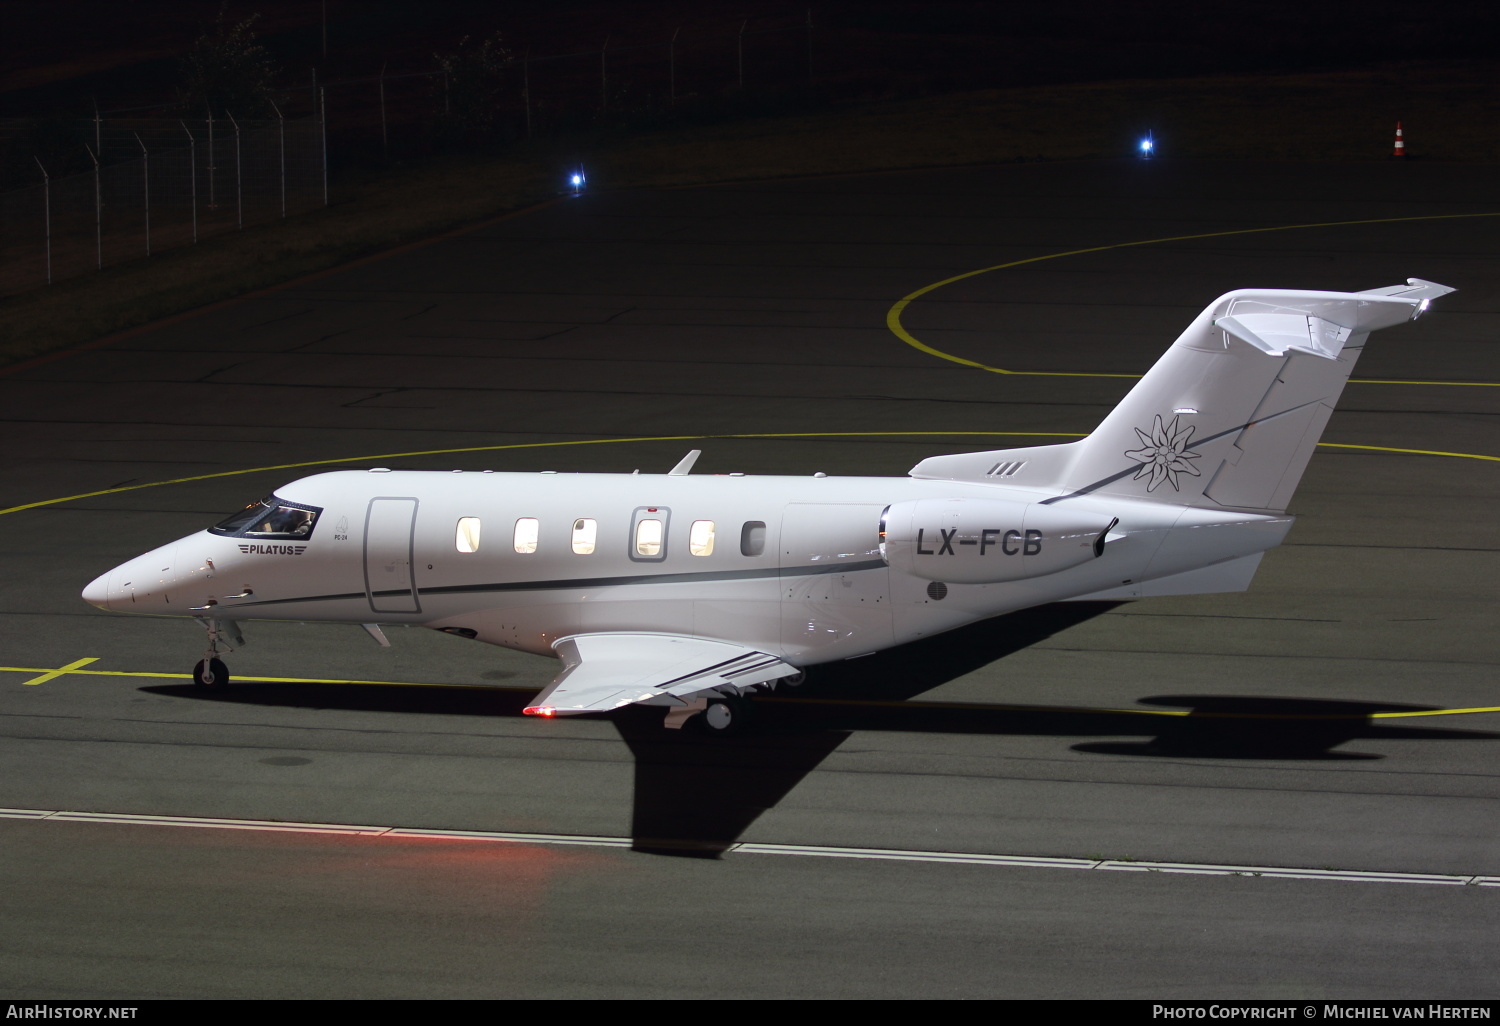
(1411, 452)
(1435, 712)
(893, 322)
(661, 438)
(980, 707)
(47, 675)
(540, 445)
(893, 316)
(73, 668)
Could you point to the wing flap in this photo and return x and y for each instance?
(602, 672)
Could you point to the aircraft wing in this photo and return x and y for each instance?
(606, 671)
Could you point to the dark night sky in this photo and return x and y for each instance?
(57, 54)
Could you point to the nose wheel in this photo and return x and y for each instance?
(211, 673)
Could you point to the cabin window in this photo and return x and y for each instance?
(527, 530)
(466, 538)
(701, 538)
(585, 533)
(648, 538)
(753, 538)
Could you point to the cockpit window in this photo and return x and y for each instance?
(271, 517)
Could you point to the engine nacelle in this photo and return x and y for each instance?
(985, 541)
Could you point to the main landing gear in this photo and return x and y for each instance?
(724, 717)
(727, 713)
(211, 671)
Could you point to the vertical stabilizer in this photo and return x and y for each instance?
(1230, 414)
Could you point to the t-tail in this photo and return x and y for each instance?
(1227, 418)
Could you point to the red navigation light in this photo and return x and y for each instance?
(540, 710)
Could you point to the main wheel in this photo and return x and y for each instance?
(723, 717)
(211, 673)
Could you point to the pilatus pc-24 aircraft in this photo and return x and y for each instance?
(691, 592)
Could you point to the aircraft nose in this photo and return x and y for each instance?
(141, 585)
(97, 592)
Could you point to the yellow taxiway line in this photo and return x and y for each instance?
(44, 674)
(74, 669)
(893, 322)
(893, 316)
(659, 438)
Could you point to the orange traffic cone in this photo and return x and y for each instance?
(1400, 145)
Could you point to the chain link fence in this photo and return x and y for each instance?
(156, 184)
(114, 187)
(638, 80)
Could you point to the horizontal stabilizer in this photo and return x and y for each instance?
(1278, 333)
(606, 671)
(1415, 288)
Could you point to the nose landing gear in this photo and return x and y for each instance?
(211, 671)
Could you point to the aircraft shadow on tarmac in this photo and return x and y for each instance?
(696, 795)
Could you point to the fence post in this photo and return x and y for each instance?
(604, 75)
(212, 167)
(46, 214)
(526, 87)
(98, 212)
(192, 176)
(145, 186)
(385, 140)
(809, 47)
(281, 134)
(672, 64)
(239, 190)
(739, 45)
(323, 128)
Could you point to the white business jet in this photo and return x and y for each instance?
(692, 592)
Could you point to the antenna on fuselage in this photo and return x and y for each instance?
(685, 464)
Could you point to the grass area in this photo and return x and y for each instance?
(1451, 112)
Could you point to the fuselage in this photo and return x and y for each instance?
(798, 567)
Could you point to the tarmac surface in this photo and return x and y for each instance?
(1345, 707)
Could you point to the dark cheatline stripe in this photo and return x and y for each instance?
(591, 582)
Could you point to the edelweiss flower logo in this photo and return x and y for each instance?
(1163, 454)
